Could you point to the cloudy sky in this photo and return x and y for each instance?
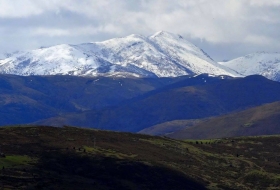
(225, 29)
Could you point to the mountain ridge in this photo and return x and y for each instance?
(261, 63)
(260, 120)
(160, 55)
(191, 99)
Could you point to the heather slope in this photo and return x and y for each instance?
(75, 158)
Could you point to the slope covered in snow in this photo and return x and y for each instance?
(160, 55)
(261, 63)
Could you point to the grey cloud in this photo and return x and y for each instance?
(224, 29)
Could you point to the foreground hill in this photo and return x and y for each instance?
(75, 158)
(160, 55)
(262, 120)
(205, 96)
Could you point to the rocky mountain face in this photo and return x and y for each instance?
(160, 55)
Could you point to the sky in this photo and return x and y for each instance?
(224, 29)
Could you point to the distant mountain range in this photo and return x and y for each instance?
(260, 63)
(160, 55)
(26, 99)
(190, 98)
(149, 84)
(128, 104)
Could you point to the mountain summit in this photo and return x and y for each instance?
(160, 55)
(261, 63)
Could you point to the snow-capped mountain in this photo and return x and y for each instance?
(261, 63)
(160, 55)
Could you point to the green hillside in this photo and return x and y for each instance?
(76, 158)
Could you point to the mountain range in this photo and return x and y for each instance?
(189, 98)
(160, 55)
(161, 85)
(27, 99)
(260, 63)
(129, 104)
(136, 83)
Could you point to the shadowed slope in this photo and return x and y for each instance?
(32, 98)
(262, 120)
(204, 99)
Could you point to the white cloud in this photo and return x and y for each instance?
(265, 3)
(213, 21)
(258, 40)
(18, 8)
(50, 32)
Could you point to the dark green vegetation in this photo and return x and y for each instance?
(75, 158)
(261, 120)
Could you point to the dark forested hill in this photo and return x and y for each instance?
(127, 104)
(32, 98)
(173, 102)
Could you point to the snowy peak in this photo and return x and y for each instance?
(164, 34)
(169, 41)
(262, 63)
(161, 55)
(191, 57)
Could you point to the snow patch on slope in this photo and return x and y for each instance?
(262, 63)
(160, 55)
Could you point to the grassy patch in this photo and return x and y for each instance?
(15, 160)
(250, 124)
(261, 178)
